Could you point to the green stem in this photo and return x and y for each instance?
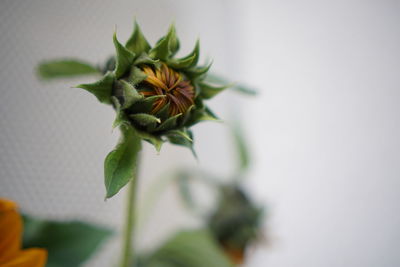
(127, 257)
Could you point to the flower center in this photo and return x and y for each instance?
(179, 93)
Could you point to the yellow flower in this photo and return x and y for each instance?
(11, 254)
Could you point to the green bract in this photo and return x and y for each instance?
(126, 88)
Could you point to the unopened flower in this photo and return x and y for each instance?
(157, 97)
(236, 222)
(157, 94)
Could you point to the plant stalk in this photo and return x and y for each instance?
(128, 249)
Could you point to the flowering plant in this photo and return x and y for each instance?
(157, 98)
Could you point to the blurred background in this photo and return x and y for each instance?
(323, 130)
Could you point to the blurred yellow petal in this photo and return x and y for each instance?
(10, 230)
(33, 257)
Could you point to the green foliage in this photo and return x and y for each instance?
(69, 244)
(216, 79)
(120, 164)
(166, 46)
(182, 138)
(188, 249)
(124, 58)
(137, 43)
(209, 91)
(236, 220)
(65, 68)
(242, 153)
(129, 94)
(101, 89)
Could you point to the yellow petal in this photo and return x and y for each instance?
(33, 257)
(10, 230)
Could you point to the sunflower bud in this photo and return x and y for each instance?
(157, 94)
(236, 222)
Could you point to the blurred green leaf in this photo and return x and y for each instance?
(236, 221)
(216, 79)
(242, 152)
(69, 244)
(183, 178)
(64, 68)
(196, 72)
(189, 249)
(121, 163)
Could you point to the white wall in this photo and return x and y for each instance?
(326, 129)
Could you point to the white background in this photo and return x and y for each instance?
(324, 128)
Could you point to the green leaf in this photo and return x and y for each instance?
(145, 59)
(184, 190)
(120, 118)
(241, 147)
(187, 115)
(189, 249)
(69, 244)
(120, 164)
(213, 78)
(166, 46)
(197, 72)
(145, 120)
(182, 138)
(201, 115)
(163, 113)
(136, 76)
(169, 123)
(65, 68)
(124, 58)
(181, 63)
(145, 105)
(137, 43)
(102, 89)
(156, 141)
(129, 94)
(173, 40)
(185, 134)
(188, 61)
(161, 50)
(208, 91)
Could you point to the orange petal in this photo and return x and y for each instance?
(10, 230)
(236, 255)
(33, 257)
